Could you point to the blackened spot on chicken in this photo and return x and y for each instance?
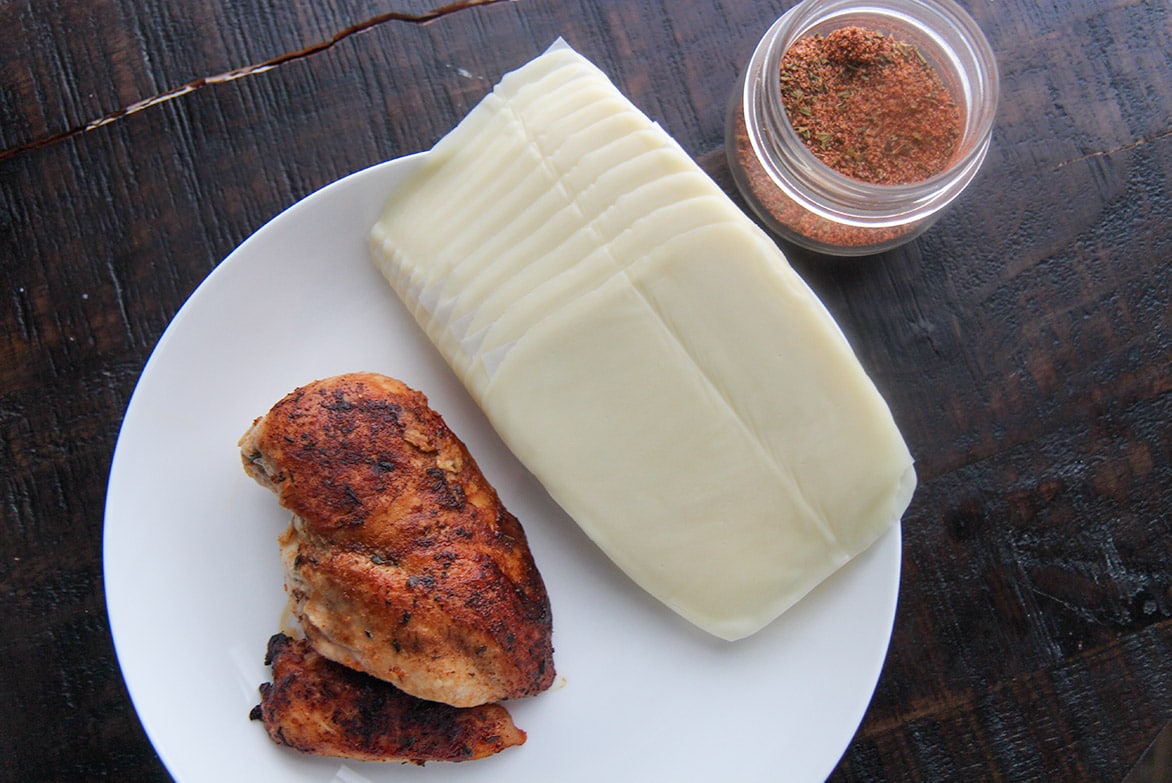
(380, 413)
(275, 644)
(426, 580)
(379, 559)
(447, 495)
(339, 404)
(341, 429)
(371, 715)
(256, 713)
(352, 496)
(505, 524)
(406, 618)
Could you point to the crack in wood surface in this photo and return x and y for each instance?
(247, 70)
(1123, 148)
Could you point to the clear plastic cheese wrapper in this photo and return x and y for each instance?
(644, 348)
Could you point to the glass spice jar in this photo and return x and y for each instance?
(805, 200)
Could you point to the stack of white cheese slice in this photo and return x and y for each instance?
(643, 348)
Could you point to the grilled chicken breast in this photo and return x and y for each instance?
(401, 561)
(317, 706)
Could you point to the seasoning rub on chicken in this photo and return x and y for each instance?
(317, 706)
(401, 560)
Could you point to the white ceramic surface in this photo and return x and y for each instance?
(194, 589)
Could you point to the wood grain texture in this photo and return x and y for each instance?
(81, 63)
(1023, 342)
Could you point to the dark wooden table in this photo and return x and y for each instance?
(1023, 342)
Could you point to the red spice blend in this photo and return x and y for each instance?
(789, 214)
(869, 106)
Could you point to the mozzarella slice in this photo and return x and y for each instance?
(644, 349)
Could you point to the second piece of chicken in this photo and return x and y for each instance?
(401, 560)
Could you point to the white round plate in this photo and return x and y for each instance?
(194, 586)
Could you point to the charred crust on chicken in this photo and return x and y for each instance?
(401, 561)
(316, 706)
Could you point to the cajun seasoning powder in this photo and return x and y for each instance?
(855, 123)
(869, 106)
(793, 219)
